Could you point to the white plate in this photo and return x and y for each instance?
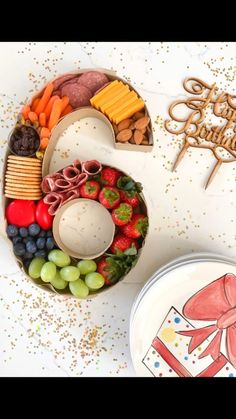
(173, 288)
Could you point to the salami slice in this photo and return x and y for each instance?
(99, 90)
(91, 167)
(70, 173)
(52, 198)
(78, 94)
(60, 80)
(79, 181)
(62, 184)
(93, 80)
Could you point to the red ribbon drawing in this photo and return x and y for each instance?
(215, 302)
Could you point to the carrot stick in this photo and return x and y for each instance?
(67, 110)
(33, 117)
(42, 119)
(35, 104)
(25, 111)
(55, 114)
(48, 108)
(44, 143)
(45, 98)
(44, 132)
(64, 102)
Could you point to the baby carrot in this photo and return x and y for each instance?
(35, 104)
(67, 110)
(64, 102)
(25, 111)
(42, 119)
(48, 108)
(45, 98)
(44, 143)
(45, 132)
(55, 114)
(33, 117)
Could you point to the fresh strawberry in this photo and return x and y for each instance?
(109, 197)
(90, 189)
(137, 227)
(109, 269)
(122, 214)
(130, 197)
(109, 176)
(122, 243)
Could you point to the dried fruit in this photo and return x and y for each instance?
(124, 135)
(124, 124)
(138, 137)
(142, 123)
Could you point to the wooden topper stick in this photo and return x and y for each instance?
(181, 155)
(213, 173)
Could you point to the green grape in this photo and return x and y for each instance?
(78, 288)
(70, 273)
(48, 271)
(86, 266)
(58, 282)
(35, 267)
(58, 257)
(94, 280)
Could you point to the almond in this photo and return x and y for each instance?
(138, 137)
(132, 125)
(142, 123)
(115, 128)
(143, 130)
(132, 140)
(124, 124)
(145, 141)
(124, 135)
(138, 115)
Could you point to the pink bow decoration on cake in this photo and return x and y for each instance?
(215, 302)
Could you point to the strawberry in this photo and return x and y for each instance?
(109, 197)
(109, 269)
(130, 197)
(122, 243)
(109, 176)
(90, 189)
(122, 214)
(137, 227)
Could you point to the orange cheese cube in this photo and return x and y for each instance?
(103, 91)
(107, 96)
(128, 111)
(120, 103)
(115, 98)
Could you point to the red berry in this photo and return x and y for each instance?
(90, 189)
(122, 214)
(109, 197)
(137, 227)
(109, 269)
(109, 176)
(131, 198)
(122, 243)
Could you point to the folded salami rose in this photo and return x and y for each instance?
(62, 184)
(77, 164)
(70, 173)
(69, 195)
(91, 167)
(48, 182)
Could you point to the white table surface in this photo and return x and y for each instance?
(46, 335)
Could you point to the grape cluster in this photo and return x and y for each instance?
(30, 242)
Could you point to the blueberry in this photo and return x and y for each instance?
(41, 253)
(27, 263)
(27, 239)
(16, 239)
(19, 249)
(12, 230)
(42, 233)
(28, 255)
(49, 233)
(23, 232)
(33, 230)
(40, 242)
(31, 246)
(50, 243)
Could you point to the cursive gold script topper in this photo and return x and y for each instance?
(199, 134)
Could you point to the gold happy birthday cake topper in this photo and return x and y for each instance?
(197, 132)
